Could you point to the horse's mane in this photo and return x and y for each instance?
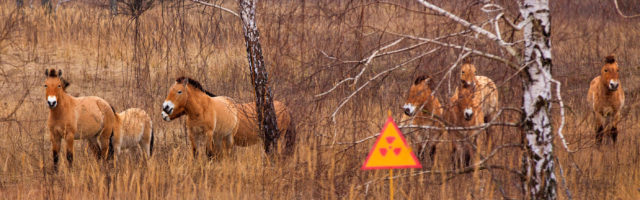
(52, 73)
(610, 59)
(195, 84)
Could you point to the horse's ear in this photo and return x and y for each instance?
(610, 59)
(65, 83)
(60, 73)
(422, 78)
(46, 72)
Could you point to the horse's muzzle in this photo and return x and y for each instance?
(165, 116)
(468, 113)
(613, 86)
(52, 102)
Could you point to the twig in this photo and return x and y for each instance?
(615, 2)
(217, 6)
(566, 187)
(471, 26)
(365, 62)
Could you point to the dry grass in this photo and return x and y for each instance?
(96, 53)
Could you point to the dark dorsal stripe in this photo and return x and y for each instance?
(610, 59)
(194, 84)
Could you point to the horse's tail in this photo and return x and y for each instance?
(110, 152)
(151, 143)
(290, 138)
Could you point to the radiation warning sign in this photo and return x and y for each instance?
(391, 150)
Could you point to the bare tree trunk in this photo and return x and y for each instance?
(538, 159)
(264, 100)
(47, 5)
(113, 5)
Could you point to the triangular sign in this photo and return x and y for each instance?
(391, 150)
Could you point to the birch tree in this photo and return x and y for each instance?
(257, 69)
(530, 58)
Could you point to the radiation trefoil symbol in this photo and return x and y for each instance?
(391, 150)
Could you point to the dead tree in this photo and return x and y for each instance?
(259, 79)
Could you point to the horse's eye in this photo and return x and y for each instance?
(59, 86)
(462, 72)
(45, 86)
(606, 70)
(179, 91)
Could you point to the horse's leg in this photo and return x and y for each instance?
(55, 147)
(600, 121)
(94, 147)
(194, 145)
(69, 136)
(212, 145)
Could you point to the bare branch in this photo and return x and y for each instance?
(366, 62)
(471, 26)
(615, 2)
(455, 46)
(346, 99)
(217, 6)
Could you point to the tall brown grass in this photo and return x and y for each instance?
(96, 52)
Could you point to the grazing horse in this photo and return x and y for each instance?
(425, 110)
(136, 130)
(71, 118)
(464, 112)
(606, 97)
(210, 119)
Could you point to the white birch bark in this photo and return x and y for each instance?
(264, 100)
(538, 160)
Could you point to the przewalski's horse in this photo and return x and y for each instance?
(249, 133)
(71, 118)
(485, 96)
(485, 91)
(426, 110)
(606, 97)
(136, 130)
(210, 119)
(463, 112)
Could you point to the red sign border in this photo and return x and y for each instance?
(386, 125)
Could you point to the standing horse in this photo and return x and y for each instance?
(71, 118)
(464, 112)
(606, 97)
(136, 130)
(249, 133)
(425, 110)
(210, 118)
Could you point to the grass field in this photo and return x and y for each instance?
(99, 56)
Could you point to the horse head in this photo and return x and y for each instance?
(609, 73)
(419, 94)
(54, 86)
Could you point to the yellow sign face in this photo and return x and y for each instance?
(391, 150)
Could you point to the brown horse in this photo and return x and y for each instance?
(248, 132)
(464, 112)
(606, 97)
(136, 130)
(71, 118)
(425, 110)
(210, 119)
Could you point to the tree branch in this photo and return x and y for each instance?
(615, 2)
(217, 6)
